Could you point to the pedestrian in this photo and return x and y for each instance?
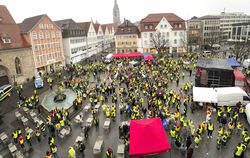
(28, 138)
(190, 152)
(224, 121)
(218, 145)
(48, 155)
(81, 148)
(210, 130)
(109, 153)
(53, 148)
(183, 150)
(71, 152)
(21, 141)
(188, 142)
(197, 140)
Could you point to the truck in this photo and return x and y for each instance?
(240, 80)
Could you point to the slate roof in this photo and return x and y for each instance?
(68, 24)
(9, 29)
(127, 28)
(29, 23)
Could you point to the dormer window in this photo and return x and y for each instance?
(6, 40)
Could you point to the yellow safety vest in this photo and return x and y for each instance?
(71, 152)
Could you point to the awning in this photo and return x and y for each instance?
(147, 137)
(119, 55)
(233, 63)
(135, 54)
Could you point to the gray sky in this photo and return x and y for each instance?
(134, 10)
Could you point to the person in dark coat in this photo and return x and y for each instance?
(190, 152)
(189, 142)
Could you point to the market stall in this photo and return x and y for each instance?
(147, 137)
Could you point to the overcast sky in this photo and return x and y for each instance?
(134, 10)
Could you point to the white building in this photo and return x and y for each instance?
(227, 19)
(171, 27)
(74, 41)
(92, 41)
(100, 37)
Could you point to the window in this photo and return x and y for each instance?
(167, 34)
(47, 35)
(150, 26)
(49, 46)
(41, 35)
(175, 33)
(18, 65)
(38, 59)
(161, 26)
(46, 26)
(58, 35)
(42, 46)
(59, 45)
(44, 58)
(134, 43)
(151, 35)
(180, 25)
(50, 56)
(55, 54)
(41, 26)
(36, 48)
(165, 26)
(175, 41)
(53, 35)
(54, 45)
(146, 27)
(60, 54)
(6, 40)
(34, 36)
(51, 26)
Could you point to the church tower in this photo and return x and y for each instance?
(116, 14)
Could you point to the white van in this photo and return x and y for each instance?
(207, 52)
(230, 96)
(108, 58)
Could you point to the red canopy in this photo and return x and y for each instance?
(135, 54)
(147, 137)
(120, 55)
(148, 58)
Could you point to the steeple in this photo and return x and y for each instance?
(116, 14)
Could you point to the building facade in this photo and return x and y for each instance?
(116, 14)
(92, 41)
(240, 32)
(171, 28)
(100, 37)
(127, 37)
(74, 41)
(210, 31)
(45, 37)
(16, 66)
(194, 33)
(228, 19)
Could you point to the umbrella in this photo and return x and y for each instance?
(148, 58)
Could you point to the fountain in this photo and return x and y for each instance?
(59, 98)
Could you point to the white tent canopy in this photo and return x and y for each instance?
(206, 95)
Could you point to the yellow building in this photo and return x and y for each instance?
(127, 37)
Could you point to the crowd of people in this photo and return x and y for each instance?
(141, 92)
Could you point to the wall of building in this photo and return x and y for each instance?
(26, 63)
(126, 43)
(52, 44)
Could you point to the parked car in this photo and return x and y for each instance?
(38, 82)
(207, 52)
(4, 91)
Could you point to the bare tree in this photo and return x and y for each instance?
(185, 41)
(159, 42)
(241, 49)
(213, 38)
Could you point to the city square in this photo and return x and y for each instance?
(158, 87)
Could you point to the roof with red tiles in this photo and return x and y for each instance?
(85, 25)
(9, 29)
(157, 17)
